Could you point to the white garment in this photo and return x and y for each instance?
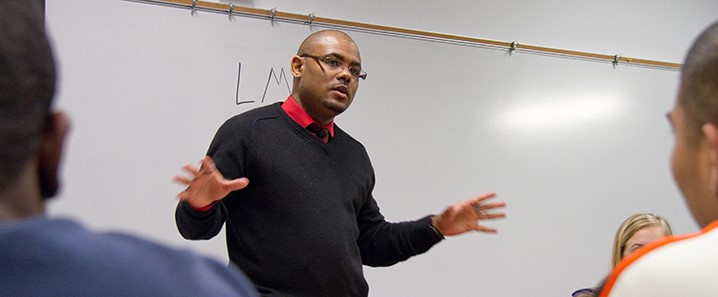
(680, 266)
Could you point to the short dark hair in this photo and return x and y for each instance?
(27, 84)
(698, 91)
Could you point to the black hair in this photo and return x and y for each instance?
(698, 93)
(27, 84)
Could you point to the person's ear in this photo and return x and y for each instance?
(51, 152)
(710, 131)
(297, 66)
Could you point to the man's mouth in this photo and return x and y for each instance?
(344, 90)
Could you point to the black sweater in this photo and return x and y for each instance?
(307, 221)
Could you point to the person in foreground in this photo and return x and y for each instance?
(635, 232)
(295, 190)
(685, 265)
(40, 256)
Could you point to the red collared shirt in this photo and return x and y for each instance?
(292, 108)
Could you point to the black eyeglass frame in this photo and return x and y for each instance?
(342, 65)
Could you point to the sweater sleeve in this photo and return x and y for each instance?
(225, 150)
(384, 244)
(196, 224)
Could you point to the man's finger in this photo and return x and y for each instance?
(183, 180)
(190, 168)
(238, 184)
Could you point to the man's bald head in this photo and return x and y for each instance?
(310, 44)
(326, 74)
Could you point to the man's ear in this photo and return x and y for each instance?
(53, 141)
(297, 66)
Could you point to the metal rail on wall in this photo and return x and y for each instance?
(313, 20)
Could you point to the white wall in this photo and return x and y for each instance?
(573, 146)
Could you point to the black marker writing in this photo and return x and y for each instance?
(277, 79)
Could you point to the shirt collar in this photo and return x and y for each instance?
(294, 111)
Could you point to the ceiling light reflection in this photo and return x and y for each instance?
(557, 113)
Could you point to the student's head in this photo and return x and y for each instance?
(326, 70)
(637, 231)
(30, 135)
(695, 122)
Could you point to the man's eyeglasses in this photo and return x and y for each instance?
(335, 64)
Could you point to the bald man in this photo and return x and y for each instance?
(295, 190)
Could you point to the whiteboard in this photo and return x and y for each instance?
(573, 146)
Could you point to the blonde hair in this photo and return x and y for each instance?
(630, 226)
